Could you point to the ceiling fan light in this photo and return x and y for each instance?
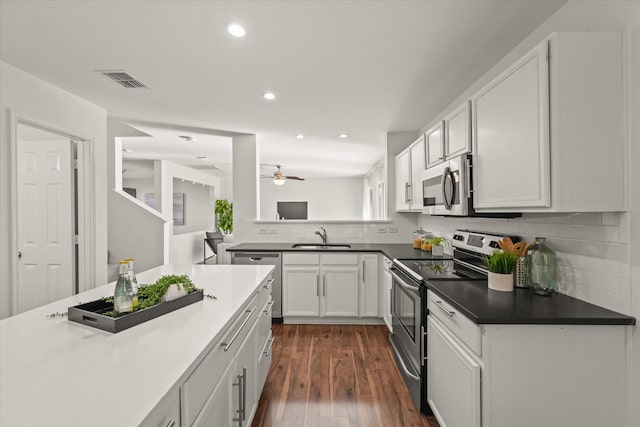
(278, 181)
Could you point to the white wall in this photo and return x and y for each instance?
(199, 206)
(38, 100)
(328, 198)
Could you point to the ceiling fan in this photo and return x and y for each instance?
(279, 178)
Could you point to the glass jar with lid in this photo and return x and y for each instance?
(418, 236)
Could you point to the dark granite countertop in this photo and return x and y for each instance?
(390, 250)
(474, 299)
(487, 306)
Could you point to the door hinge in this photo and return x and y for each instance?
(75, 239)
(75, 163)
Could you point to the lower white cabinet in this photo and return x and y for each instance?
(453, 379)
(334, 285)
(225, 387)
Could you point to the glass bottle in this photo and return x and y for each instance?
(542, 268)
(122, 295)
(134, 283)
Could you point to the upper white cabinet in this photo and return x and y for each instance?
(435, 145)
(449, 137)
(457, 131)
(547, 132)
(409, 166)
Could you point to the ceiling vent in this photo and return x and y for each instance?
(207, 167)
(123, 79)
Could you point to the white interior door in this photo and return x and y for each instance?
(46, 221)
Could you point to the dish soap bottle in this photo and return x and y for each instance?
(542, 265)
(122, 295)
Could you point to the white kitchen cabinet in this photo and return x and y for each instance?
(505, 375)
(418, 164)
(330, 286)
(453, 379)
(218, 408)
(538, 129)
(301, 290)
(435, 145)
(339, 291)
(403, 181)
(369, 289)
(409, 166)
(457, 131)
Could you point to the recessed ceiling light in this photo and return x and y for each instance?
(236, 30)
(342, 135)
(299, 136)
(269, 95)
(187, 137)
(203, 158)
(127, 150)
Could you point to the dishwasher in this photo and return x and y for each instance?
(266, 258)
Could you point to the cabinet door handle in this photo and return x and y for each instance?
(244, 394)
(239, 411)
(171, 423)
(268, 284)
(422, 343)
(227, 346)
(441, 307)
(324, 285)
(364, 276)
(407, 198)
(317, 285)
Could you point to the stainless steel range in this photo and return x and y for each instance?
(408, 301)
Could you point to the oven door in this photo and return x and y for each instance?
(407, 336)
(445, 188)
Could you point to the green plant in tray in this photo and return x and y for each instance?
(501, 262)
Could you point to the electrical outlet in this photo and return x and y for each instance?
(382, 230)
(263, 231)
(393, 229)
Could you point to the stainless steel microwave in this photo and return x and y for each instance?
(446, 187)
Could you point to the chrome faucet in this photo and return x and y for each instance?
(322, 235)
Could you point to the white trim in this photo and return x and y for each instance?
(86, 202)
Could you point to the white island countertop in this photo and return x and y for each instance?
(54, 372)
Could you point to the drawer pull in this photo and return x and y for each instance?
(268, 284)
(227, 346)
(267, 310)
(171, 423)
(447, 312)
(270, 347)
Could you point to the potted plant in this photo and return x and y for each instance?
(437, 247)
(224, 216)
(501, 265)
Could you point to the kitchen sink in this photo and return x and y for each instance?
(319, 246)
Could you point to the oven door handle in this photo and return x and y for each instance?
(402, 364)
(471, 266)
(404, 284)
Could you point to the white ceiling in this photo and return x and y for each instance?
(363, 68)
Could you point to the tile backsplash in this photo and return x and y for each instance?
(592, 249)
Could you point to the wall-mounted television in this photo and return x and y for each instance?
(292, 210)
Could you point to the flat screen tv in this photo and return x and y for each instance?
(292, 210)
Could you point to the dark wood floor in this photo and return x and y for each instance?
(335, 376)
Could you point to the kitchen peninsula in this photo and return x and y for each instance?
(60, 373)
